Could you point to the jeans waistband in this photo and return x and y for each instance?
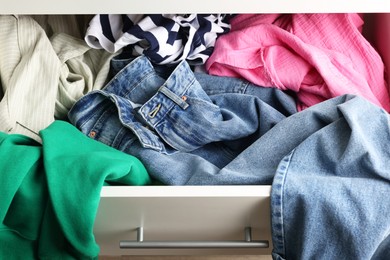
(172, 93)
(142, 99)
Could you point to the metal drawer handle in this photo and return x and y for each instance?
(247, 243)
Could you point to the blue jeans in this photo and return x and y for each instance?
(329, 197)
(187, 128)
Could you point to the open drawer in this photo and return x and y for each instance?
(193, 220)
(184, 220)
(197, 220)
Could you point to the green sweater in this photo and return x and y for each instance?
(49, 193)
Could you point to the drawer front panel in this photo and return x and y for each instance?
(199, 215)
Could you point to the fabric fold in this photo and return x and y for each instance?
(318, 56)
(62, 179)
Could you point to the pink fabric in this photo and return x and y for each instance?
(319, 56)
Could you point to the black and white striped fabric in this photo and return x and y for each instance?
(163, 38)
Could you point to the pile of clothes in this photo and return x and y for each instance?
(296, 101)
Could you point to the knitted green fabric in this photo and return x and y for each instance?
(50, 193)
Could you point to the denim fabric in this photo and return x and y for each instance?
(329, 194)
(188, 128)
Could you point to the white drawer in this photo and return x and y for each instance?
(199, 6)
(183, 213)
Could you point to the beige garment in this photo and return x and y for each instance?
(82, 70)
(42, 77)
